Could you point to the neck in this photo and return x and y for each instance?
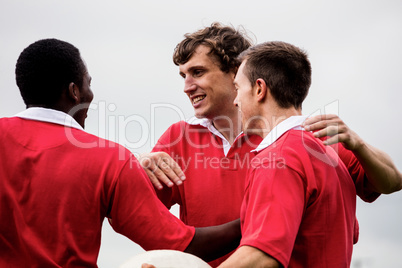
(274, 117)
(228, 125)
(63, 105)
(79, 115)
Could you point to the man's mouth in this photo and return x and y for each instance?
(198, 99)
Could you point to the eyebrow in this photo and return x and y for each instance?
(192, 68)
(196, 67)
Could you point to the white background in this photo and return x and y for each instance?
(354, 48)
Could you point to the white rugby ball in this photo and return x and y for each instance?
(166, 258)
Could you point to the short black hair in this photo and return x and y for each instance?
(45, 68)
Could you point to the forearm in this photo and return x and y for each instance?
(247, 256)
(381, 172)
(210, 243)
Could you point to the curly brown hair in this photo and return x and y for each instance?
(226, 44)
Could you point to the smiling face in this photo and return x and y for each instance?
(211, 91)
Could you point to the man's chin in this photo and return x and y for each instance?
(199, 115)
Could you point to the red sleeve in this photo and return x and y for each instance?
(172, 137)
(273, 206)
(357, 173)
(138, 214)
(167, 143)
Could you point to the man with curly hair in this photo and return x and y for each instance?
(210, 148)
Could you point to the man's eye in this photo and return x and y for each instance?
(197, 72)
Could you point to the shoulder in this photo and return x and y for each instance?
(5, 124)
(5, 121)
(181, 128)
(98, 149)
(292, 142)
(298, 142)
(292, 147)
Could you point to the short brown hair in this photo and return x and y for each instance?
(285, 69)
(226, 44)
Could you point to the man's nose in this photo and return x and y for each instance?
(189, 85)
(236, 102)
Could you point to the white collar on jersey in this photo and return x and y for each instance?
(50, 116)
(207, 123)
(293, 122)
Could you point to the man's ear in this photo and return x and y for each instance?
(261, 89)
(74, 92)
(233, 73)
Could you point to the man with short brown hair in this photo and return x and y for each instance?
(300, 201)
(211, 150)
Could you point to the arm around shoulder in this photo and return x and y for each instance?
(383, 176)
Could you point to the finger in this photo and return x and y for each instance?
(320, 121)
(154, 173)
(317, 125)
(331, 131)
(149, 166)
(321, 117)
(312, 120)
(175, 168)
(332, 140)
(161, 176)
(153, 179)
(344, 138)
(166, 168)
(145, 162)
(327, 124)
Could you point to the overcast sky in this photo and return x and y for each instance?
(354, 48)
